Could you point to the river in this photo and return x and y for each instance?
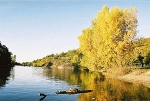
(24, 83)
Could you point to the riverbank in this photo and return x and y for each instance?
(138, 77)
(134, 75)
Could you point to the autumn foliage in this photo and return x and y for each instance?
(110, 39)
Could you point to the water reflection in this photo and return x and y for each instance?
(28, 81)
(115, 90)
(104, 89)
(4, 75)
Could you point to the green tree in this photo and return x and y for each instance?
(140, 59)
(13, 59)
(142, 48)
(147, 62)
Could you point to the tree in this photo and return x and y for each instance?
(142, 48)
(13, 59)
(140, 59)
(148, 59)
(109, 40)
(5, 56)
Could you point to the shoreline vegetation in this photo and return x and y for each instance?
(134, 74)
(109, 46)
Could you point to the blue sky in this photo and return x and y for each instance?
(32, 29)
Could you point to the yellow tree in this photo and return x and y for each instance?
(109, 40)
(86, 47)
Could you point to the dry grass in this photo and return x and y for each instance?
(138, 72)
(119, 71)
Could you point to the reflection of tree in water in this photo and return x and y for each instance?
(115, 90)
(4, 74)
(47, 72)
(74, 77)
(104, 89)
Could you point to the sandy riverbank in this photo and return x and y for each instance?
(139, 76)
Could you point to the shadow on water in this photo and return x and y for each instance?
(4, 75)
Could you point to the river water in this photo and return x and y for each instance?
(24, 83)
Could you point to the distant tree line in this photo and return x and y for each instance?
(75, 57)
(64, 58)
